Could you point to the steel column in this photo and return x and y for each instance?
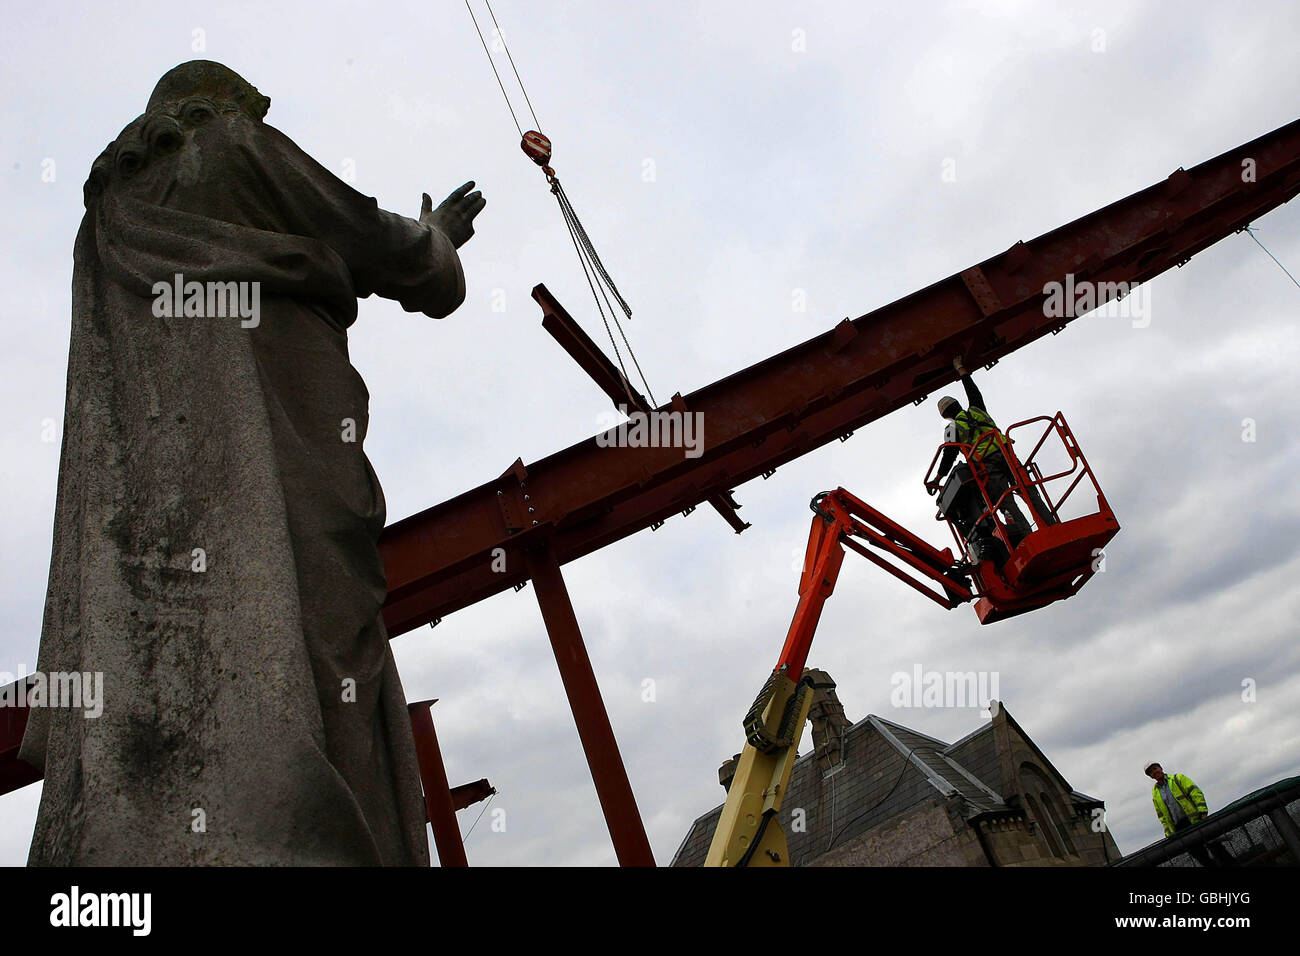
(607, 772)
(437, 793)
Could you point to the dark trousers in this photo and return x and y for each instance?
(1208, 854)
(999, 481)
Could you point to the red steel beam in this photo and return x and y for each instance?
(574, 340)
(14, 773)
(586, 496)
(468, 794)
(611, 380)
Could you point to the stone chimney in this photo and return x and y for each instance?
(828, 721)
(727, 772)
(828, 726)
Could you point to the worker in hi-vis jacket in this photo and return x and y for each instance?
(1179, 803)
(975, 427)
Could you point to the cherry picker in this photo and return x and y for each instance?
(1001, 573)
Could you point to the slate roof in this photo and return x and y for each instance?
(887, 769)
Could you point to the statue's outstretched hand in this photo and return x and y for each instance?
(454, 217)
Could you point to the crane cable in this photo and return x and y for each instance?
(538, 148)
(492, 63)
(1251, 232)
(491, 797)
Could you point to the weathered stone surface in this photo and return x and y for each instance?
(226, 689)
(928, 834)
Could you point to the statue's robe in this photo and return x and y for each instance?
(252, 710)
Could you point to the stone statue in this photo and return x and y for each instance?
(215, 530)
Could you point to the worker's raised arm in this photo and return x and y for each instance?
(973, 396)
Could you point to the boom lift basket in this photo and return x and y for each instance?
(1014, 571)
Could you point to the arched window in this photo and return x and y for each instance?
(1043, 807)
(1062, 828)
(1044, 825)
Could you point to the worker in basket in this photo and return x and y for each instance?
(975, 427)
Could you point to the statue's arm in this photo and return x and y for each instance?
(388, 254)
(422, 271)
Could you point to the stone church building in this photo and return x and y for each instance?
(876, 793)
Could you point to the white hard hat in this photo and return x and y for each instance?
(947, 402)
(1149, 764)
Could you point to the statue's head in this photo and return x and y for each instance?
(210, 81)
(187, 97)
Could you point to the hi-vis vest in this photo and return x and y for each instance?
(973, 426)
(1188, 796)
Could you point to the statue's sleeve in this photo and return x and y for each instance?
(388, 255)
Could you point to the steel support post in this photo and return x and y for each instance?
(437, 793)
(607, 771)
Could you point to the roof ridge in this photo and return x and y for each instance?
(894, 723)
(981, 729)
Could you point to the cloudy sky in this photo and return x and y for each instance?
(724, 155)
